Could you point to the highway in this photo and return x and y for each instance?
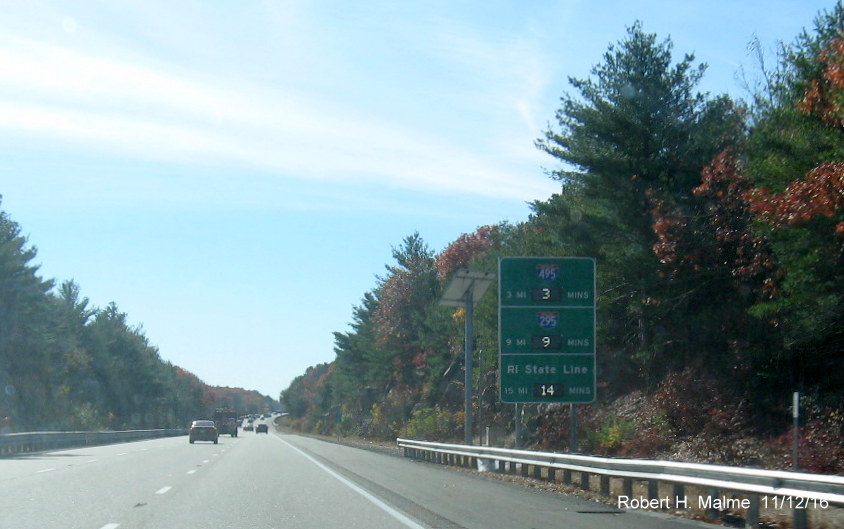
(274, 481)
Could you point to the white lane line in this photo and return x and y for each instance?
(110, 526)
(92, 461)
(205, 462)
(163, 490)
(375, 501)
(46, 470)
(191, 471)
(123, 453)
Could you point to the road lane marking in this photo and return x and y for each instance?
(205, 462)
(110, 526)
(191, 471)
(163, 490)
(92, 461)
(46, 470)
(375, 501)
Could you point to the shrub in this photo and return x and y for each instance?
(821, 442)
(612, 435)
(435, 424)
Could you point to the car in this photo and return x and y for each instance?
(262, 428)
(248, 428)
(203, 430)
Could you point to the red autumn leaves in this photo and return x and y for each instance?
(719, 233)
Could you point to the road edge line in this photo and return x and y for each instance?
(372, 499)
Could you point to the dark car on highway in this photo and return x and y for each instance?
(262, 428)
(203, 431)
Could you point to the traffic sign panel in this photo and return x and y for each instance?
(547, 329)
(548, 378)
(529, 281)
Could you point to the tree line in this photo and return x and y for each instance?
(718, 229)
(66, 365)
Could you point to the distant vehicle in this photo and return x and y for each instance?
(262, 428)
(248, 428)
(203, 431)
(226, 421)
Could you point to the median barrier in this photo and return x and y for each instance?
(24, 442)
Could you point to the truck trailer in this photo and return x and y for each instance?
(226, 421)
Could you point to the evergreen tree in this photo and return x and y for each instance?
(24, 342)
(635, 132)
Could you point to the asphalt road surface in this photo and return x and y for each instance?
(261, 481)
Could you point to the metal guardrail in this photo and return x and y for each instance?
(17, 443)
(786, 490)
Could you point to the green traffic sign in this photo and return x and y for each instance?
(546, 281)
(547, 329)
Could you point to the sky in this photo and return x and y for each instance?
(235, 175)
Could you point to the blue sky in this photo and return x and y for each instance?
(233, 175)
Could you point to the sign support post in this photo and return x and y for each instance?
(467, 380)
(464, 290)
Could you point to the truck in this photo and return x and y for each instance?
(225, 419)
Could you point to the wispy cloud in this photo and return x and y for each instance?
(513, 75)
(154, 110)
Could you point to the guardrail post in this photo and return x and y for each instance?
(552, 474)
(653, 489)
(752, 513)
(537, 472)
(712, 512)
(567, 476)
(605, 485)
(679, 491)
(584, 480)
(627, 487)
(800, 520)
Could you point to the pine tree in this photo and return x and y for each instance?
(635, 131)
